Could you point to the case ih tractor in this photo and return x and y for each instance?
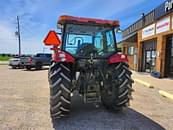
(87, 61)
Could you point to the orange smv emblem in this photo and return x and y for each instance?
(52, 39)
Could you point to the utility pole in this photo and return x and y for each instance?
(44, 48)
(18, 34)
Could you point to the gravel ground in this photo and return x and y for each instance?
(24, 105)
(4, 62)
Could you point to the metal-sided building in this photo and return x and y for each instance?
(149, 41)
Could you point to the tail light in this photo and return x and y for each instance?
(30, 59)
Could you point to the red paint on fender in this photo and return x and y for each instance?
(117, 58)
(61, 56)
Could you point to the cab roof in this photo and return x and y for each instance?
(86, 21)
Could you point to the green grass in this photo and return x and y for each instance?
(4, 58)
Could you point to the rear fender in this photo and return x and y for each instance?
(62, 56)
(117, 58)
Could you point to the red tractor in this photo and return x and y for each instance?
(87, 61)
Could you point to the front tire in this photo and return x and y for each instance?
(39, 66)
(118, 93)
(13, 67)
(60, 90)
(28, 68)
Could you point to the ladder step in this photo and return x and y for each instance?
(92, 98)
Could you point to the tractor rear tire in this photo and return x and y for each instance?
(118, 94)
(60, 90)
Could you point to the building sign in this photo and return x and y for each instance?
(148, 31)
(168, 5)
(164, 9)
(163, 25)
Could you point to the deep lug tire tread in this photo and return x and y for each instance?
(123, 88)
(60, 91)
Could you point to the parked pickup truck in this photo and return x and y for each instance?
(37, 61)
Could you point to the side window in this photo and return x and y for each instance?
(131, 50)
(48, 55)
(110, 41)
(38, 55)
(98, 41)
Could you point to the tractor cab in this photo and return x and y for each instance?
(86, 60)
(86, 36)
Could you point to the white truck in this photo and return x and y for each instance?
(15, 62)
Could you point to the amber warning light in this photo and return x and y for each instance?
(52, 39)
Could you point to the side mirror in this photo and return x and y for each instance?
(52, 39)
(118, 30)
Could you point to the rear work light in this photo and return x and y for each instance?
(123, 56)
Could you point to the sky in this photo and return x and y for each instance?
(37, 17)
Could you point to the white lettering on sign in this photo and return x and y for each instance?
(148, 31)
(163, 25)
(168, 5)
